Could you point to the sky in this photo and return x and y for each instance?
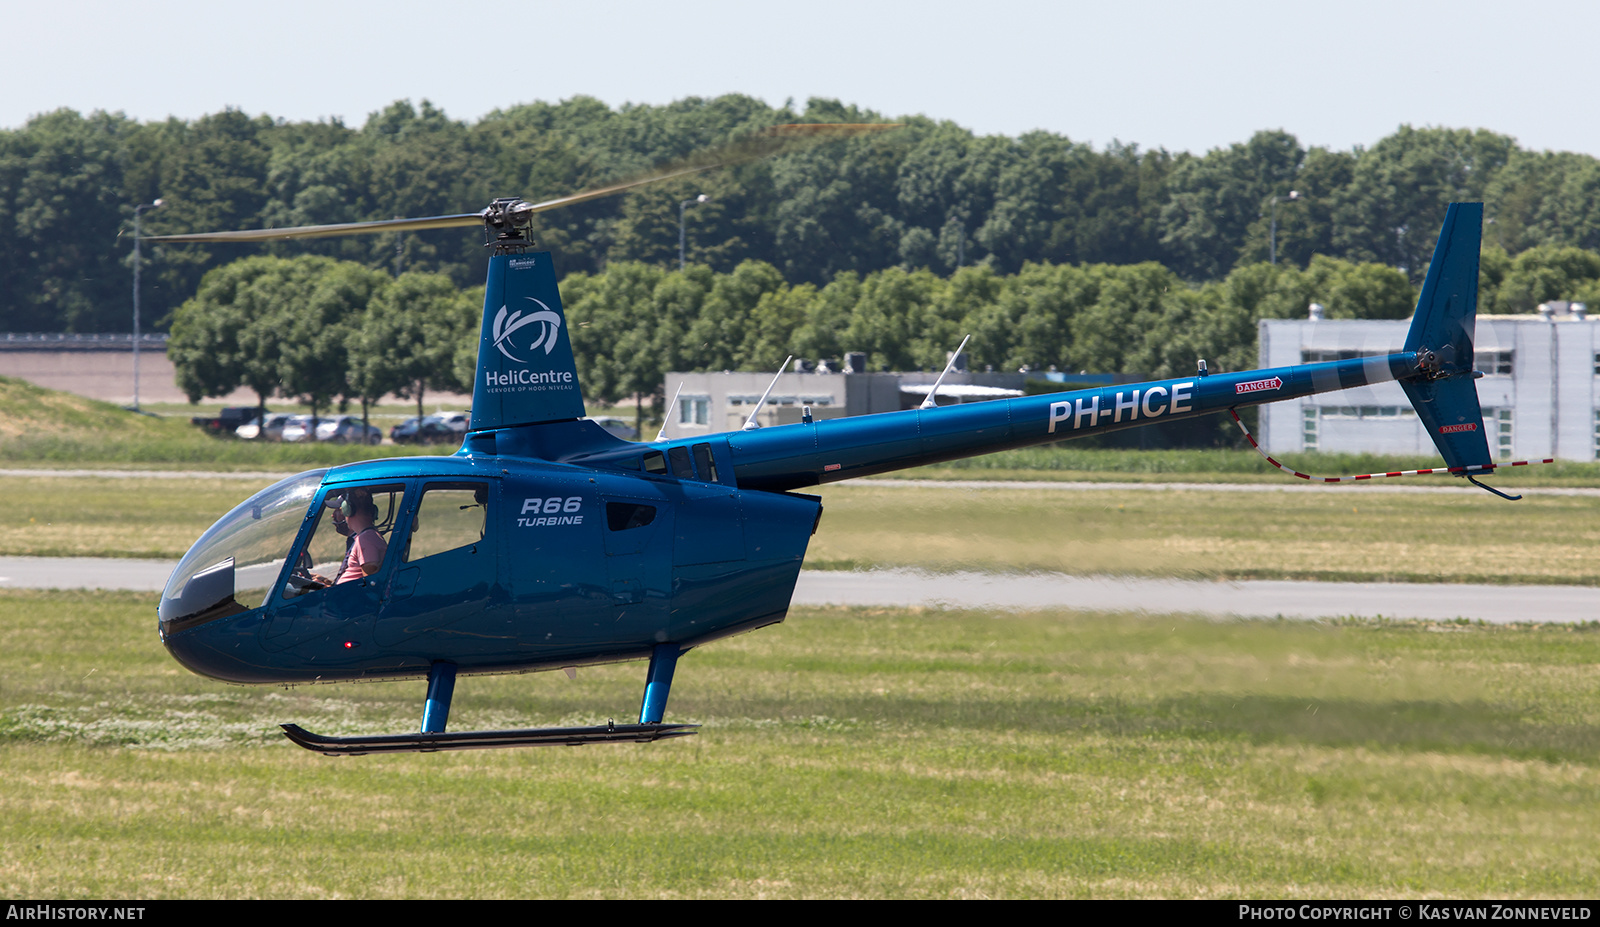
(1186, 76)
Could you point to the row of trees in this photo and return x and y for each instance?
(318, 331)
(930, 196)
(636, 321)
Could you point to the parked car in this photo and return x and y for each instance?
(430, 429)
(226, 423)
(271, 431)
(616, 426)
(347, 429)
(297, 429)
(458, 421)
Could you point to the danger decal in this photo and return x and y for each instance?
(1258, 386)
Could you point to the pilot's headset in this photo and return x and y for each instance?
(357, 500)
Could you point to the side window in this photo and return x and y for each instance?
(621, 516)
(350, 540)
(704, 460)
(655, 463)
(450, 515)
(681, 467)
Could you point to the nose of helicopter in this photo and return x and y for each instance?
(210, 612)
(226, 649)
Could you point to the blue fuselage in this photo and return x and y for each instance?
(575, 565)
(587, 549)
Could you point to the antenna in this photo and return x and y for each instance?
(929, 403)
(662, 434)
(750, 423)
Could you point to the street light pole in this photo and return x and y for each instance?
(682, 239)
(137, 260)
(1272, 240)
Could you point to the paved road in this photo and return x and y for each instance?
(84, 573)
(901, 588)
(255, 476)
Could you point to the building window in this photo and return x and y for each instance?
(1309, 356)
(1498, 363)
(694, 410)
(1502, 431)
(1363, 412)
(1309, 431)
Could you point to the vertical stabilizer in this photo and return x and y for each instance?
(526, 373)
(1445, 397)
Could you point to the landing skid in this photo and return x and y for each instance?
(436, 711)
(485, 740)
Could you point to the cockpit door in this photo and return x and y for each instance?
(326, 594)
(447, 568)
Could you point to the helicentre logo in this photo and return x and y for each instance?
(505, 325)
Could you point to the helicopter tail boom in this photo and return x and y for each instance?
(793, 456)
(1434, 368)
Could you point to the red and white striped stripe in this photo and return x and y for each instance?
(1475, 468)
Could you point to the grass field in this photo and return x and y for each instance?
(46, 428)
(846, 753)
(1349, 534)
(1067, 461)
(1352, 534)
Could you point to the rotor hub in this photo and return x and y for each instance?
(507, 223)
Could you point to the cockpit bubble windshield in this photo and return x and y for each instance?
(236, 562)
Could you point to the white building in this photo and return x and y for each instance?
(1539, 391)
(712, 402)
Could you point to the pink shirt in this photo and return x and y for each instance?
(369, 548)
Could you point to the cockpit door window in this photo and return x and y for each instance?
(350, 540)
(449, 516)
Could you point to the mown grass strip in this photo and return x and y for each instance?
(1371, 537)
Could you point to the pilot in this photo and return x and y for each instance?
(366, 548)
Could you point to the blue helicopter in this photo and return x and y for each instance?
(547, 543)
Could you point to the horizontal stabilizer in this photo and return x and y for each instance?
(485, 740)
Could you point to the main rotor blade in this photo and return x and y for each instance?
(463, 220)
(762, 144)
